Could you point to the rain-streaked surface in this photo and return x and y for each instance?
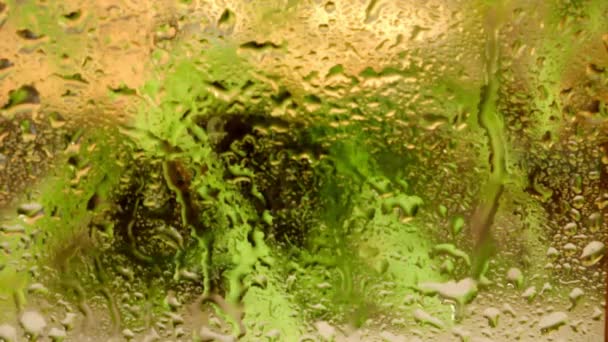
(303, 170)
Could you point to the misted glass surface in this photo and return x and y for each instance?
(303, 170)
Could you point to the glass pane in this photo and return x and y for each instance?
(303, 170)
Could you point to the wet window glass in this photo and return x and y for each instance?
(303, 170)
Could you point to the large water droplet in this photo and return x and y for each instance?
(461, 292)
(592, 253)
(32, 322)
(552, 321)
(8, 333)
(492, 315)
(425, 318)
(515, 276)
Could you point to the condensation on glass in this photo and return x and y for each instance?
(303, 170)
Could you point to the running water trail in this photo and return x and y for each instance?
(491, 121)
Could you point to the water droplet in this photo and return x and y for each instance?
(32, 322)
(569, 249)
(457, 225)
(529, 293)
(578, 202)
(492, 315)
(172, 301)
(552, 321)
(461, 292)
(68, 320)
(592, 253)
(28, 34)
(29, 209)
(208, 335)
(450, 249)
(25, 94)
(577, 184)
(74, 15)
(57, 334)
(574, 296)
(8, 333)
(515, 276)
(575, 214)
(552, 252)
(594, 222)
(447, 266)
(546, 287)
(37, 288)
(507, 308)
(151, 336)
(165, 32)
(325, 330)
(5, 63)
(425, 318)
(463, 334)
(227, 20)
(16, 228)
(128, 333)
(570, 228)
